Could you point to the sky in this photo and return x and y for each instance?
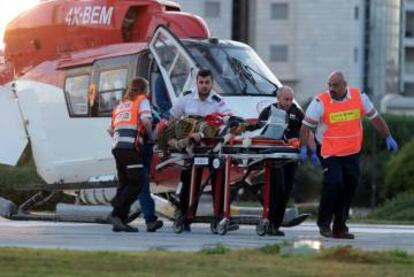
(9, 9)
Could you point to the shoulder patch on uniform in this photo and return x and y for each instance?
(216, 98)
(187, 92)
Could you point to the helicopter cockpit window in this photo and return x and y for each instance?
(179, 74)
(166, 50)
(237, 70)
(76, 89)
(173, 62)
(112, 85)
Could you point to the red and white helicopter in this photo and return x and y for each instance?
(68, 62)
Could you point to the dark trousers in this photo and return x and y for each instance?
(281, 184)
(340, 178)
(186, 190)
(131, 176)
(145, 199)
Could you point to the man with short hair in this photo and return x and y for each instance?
(201, 101)
(336, 114)
(282, 179)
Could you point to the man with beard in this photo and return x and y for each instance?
(199, 102)
(336, 114)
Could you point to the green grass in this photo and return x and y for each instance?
(13, 178)
(22, 174)
(348, 254)
(343, 261)
(16, 176)
(217, 249)
(399, 209)
(364, 220)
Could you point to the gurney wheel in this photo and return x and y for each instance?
(178, 225)
(262, 227)
(213, 227)
(222, 227)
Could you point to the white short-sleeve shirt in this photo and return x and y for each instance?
(145, 109)
(314, 113)
(190, 104)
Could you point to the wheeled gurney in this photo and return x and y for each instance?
(239, 158)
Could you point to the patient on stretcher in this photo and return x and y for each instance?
(181, 135)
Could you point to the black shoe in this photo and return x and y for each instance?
(273, 231)
(154, 225)
(339, 228)
(130, 229)
(325, 231)
(186, 227)
(233, 225)
(131, 217)
(117, 229)
(117, 223)
(343, 235)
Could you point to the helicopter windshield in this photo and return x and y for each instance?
(237, 70)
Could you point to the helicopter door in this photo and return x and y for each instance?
(13, 138)
(177, 66)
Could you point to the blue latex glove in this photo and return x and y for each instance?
(315, 159)
(155, 117)
(303, 153)
(392, 145)
(151, 137)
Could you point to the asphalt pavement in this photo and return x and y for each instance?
(88, 237)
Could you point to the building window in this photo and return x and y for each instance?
(212, 9)
(279, 53)
(279, 11)
(356, 13)
(356, 54)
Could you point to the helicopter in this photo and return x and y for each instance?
(69, 62)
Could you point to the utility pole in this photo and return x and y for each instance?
(241, 13)
(368, 89)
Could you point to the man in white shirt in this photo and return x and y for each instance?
(336, 114)
(201, 101)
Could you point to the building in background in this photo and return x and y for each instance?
(302, 41)
(217, 13)
(402, 103)
(384, 60)
(408, 50)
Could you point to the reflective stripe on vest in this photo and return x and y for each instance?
(344, 133)
(126, 124)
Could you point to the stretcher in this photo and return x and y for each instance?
(226, 157)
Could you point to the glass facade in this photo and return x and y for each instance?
(383, 44)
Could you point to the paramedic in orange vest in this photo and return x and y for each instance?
(336, 114)
(131, 129)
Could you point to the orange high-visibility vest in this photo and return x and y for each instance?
(126, 123)
(344, 132)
